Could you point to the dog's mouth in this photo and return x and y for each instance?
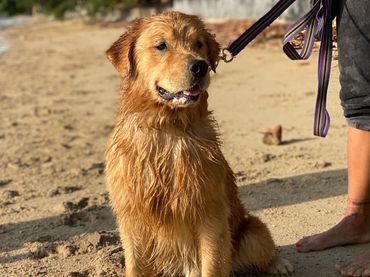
(190, 95)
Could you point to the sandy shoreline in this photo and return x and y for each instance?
(58, 96)
(8, 22)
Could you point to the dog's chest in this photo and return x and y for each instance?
(181, 161)
(178, 174)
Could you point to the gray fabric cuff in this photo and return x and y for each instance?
(359, 122)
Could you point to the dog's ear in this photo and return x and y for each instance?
(122, 52)
(213, 50)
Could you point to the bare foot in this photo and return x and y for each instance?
(353, 228)
(356, 267)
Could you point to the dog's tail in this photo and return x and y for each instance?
(254, 247)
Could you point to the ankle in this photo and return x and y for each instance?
(355, 207)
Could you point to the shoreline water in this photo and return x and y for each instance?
(5, 23)
(3, 45)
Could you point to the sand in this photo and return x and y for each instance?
(58, 97)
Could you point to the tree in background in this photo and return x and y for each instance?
(13, 7)
(58, 8)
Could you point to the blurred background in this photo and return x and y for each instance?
(58, 99)
(13, 12)
(123, 9)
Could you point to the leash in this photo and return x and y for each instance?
(318, 24)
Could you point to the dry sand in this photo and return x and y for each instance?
(58, 96)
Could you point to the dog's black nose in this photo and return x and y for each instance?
(198, 68)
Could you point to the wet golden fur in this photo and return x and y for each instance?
(173, 193)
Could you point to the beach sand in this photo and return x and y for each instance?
(58, 97)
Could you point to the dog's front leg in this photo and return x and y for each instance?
(193, 273)
(215, 248)
(134, 262)
(133, 268)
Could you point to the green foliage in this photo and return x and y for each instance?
(58, 8)
(13, 7)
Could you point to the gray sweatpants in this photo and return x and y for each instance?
(353, 24)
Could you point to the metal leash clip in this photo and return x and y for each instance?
(226, 55)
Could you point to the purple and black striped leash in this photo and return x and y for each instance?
(318, 24)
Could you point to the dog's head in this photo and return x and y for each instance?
(169, 56)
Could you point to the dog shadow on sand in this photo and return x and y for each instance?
(87, 228)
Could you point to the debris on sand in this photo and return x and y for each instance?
(63, 190)
(9, 194)
(273, 136)
(5, 182)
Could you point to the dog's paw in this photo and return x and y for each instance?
(280, 266)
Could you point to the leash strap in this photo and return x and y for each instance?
(318, 24)
(261, 24)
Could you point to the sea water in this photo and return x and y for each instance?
(6, 22)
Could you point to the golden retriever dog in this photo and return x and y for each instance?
(172, 191)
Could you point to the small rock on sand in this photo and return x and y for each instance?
(9, 194)
(273, 136)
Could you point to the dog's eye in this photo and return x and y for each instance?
(162, 46)
(198, 44)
